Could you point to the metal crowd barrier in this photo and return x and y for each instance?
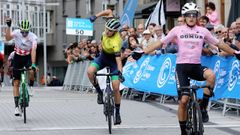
(76, 77)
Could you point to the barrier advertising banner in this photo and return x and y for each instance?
(156, 74)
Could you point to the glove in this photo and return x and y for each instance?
(121, 77)
(93, 18)
(9, 22)
(33, 66)
(237, 54)
(137, 53)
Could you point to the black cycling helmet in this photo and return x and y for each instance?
(113, 24)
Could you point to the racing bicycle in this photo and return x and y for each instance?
(108, 99)
(24, 97)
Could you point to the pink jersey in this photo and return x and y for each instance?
(190, 42)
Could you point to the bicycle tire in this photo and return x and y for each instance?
(197, 119)
(24, 102)
(109, 114)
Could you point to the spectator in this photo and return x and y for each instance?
(209, 49)
(158, 32)
(125, 55)
(132, 31)
(203, 20)
(238, 32)
(212, 13)
(218, 30)
(147, 39)
(133, 42)
(48, 79)
(55, 81)
(180, 21)
(140, 30)
(151, 27)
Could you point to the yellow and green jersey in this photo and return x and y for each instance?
(111, 45)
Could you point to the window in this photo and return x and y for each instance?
(49, 20)
(104, 4)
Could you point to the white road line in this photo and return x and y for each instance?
(105, 127)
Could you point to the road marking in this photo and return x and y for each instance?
(105, 127)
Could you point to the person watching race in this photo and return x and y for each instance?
(110, 56)
(190, 38)
(25, 54)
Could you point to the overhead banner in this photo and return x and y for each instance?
(156, 74)
(128, 12)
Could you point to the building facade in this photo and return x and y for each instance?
(58, 10)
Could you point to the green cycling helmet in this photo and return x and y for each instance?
(25, 25)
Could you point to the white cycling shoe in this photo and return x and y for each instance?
(18, 112)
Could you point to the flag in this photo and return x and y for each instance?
(128, 13)
(157, 16)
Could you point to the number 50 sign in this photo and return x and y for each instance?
(76, 26)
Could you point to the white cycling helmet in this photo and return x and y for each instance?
(190, 8)
(113, 24)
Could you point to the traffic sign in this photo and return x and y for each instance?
(77, 26)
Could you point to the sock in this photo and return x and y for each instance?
(16, 101)
(204, 103)
(98, 89)
(31, 82)
(183, 127)
(117, 106)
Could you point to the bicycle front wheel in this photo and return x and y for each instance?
(109, 115)
(197, 119)
(24, 102)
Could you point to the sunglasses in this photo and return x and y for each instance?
(218, 32)
(191, 15)
(24, 32)
(110, 30)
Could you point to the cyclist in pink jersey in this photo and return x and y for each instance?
(25, 55)
(190, 38)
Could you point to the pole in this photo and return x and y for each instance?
(44, 44)
(23, 10)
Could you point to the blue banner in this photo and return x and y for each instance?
(156, 74)
(1, 50)
(128, 13)
(152, 74)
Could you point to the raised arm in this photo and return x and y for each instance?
(8, 35)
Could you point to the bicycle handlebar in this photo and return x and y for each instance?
(195, 87)
(107, 74)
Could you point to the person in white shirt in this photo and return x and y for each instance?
(25, 54)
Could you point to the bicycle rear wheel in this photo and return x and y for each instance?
(197, 119)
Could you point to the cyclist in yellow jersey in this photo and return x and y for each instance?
(111, 57)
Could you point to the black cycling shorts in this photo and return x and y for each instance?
(185, 72)
(1, 63)
(18, 63)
